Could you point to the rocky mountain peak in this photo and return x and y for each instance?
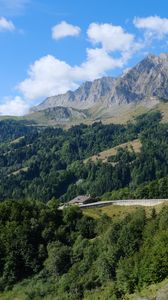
(85, 96)
(147, 80)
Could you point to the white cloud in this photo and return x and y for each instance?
(64, 29)
(154, 26)
(51, 76)
(98, 62)
(112, 38)
(111, 48)
(46, 77)
(13, 107)
(6, 25)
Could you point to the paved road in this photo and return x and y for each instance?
(142, 202)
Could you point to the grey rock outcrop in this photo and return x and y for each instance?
(87, 95)
(148, 80)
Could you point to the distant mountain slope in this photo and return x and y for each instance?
(58, 115)
(148, 80)
(117, 114)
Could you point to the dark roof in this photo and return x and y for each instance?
(80, 199)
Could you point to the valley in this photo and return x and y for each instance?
(111, 151)
(83, 150)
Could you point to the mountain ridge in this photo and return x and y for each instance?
(87, 92)
(147, 80)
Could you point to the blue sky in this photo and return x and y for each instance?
(48, 47)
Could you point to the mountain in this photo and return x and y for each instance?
(148, 80)
(95, 253)
(87, 95)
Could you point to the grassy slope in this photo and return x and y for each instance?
(127, 113)
(16, 141)
(25, 169)
(135, 144)
(120, 212)
(116, 114)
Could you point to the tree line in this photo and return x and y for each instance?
(68, 255)
(46, 163)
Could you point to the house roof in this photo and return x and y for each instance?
(80, 199)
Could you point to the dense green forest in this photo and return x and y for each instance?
(68, 255)
(51, 254)
(42, 163)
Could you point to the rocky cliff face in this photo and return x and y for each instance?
(147, 80)
(63, 114)
(88, 94)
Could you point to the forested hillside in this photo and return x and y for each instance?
(42, 163)
(46, 253)
(67, 255)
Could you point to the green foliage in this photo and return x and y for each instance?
(157, 189)
(47, 163)
(58, 260)
(64, 254)
(73, 257)
(11, 130)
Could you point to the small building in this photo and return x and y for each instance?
(82, 199)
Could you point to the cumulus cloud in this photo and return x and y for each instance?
(154, 26)
(111, 48)
(98, 62)
(13, 106)
(47, 76)
(64, 29)
(112, 38)
(6, 25)
(50, 76)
